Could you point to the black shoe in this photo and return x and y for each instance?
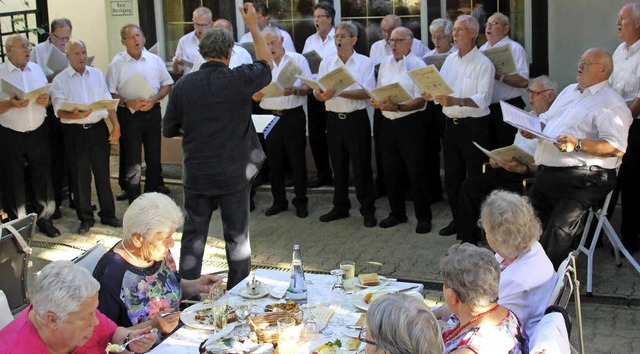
(423, 227)
(302, 211)
(319, 182)
(46, 227)
(56, 214)
(252, 205)
(122, 196)
(391, 221)
(114, 222)
(370, 220)
(163, 189)
(334, 215)
(275, 209)
(449, 230)
(85, 225)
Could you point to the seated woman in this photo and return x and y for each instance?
(471, 275)
(527, 276)
(138, 276)
(63, 317)
(401, 324)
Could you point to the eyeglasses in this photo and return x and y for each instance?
(343, 36)
(320, 16)
(537, 93)
(362, 336)
(584, 63)
(64, 39)
(492, 24)
(201, 25)
(398, 40)
(439, 38)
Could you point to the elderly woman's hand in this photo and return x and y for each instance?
(143, 344)
(208, 281)
(166, 322)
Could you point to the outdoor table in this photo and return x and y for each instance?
(187, 340)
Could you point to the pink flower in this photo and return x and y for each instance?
(157, 305)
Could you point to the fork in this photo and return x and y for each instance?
(123, 346)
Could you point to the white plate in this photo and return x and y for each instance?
(278, 291)
(353, 333)
(188, 317)
(243, 292)
(383, 282)
(358, 298)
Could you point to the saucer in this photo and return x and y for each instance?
(243, 292)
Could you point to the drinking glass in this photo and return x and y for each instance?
(288, 335)
(219, 309)
(243, 311)
(349, 269)
(338, 287)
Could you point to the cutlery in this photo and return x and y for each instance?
(354, 327)
(407, 289)
(123, 346)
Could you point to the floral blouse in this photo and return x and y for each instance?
(130, 295)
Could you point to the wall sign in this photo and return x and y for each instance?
(121, 8)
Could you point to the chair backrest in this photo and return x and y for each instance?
(550, 336)
(5, 312)
(564, 284)
(90, 257)
(15, 241)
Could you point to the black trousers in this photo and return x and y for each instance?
(234, 212)
(26, 155)
(59, 165)
(461, 157)
(402, 146)
(473, 192)
(287, 140)
(435, 124)
(349, 138)
(87, 151)
(561, 197)
(317, 124)
(377, 124)
(500, 133)
(141, 129)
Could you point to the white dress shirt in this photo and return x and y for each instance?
(187, 49)
(150, 66)
(85, 88)
(502, 91)
(470, 76)
(324, 48)
(291, 101)
(598, 113)
(361, 68)
(32, 116)
(431, 52)
(625, 78)
(380, 50)
(392, 71)
(40, 55)
(239, 56)
(287, 41)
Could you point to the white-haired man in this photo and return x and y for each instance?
(188, 44)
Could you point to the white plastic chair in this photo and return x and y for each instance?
(603, 224)
(5, 311)
(89, 259)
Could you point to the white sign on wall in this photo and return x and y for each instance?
(121, 8)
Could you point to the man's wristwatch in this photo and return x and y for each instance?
(578, 147)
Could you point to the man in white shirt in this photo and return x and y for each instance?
(507, 87)
(24, 138)
(139, 117)
(403, 135)
(348, 127)
(625, 79)
(263, 21)
(381, 49)
(590, 122)
(86, 136)
(322, 42)
(59, 35)
(287, 138)
(239, 55)
(188, 44)
(470, 75)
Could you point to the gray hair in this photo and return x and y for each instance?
(470, 22)
(511, 222)
(9, 42)
(61, 287)
(272, 31)
(547, 83)
(472, 272)
(635, 10)
(216, 43)
(395, 19)
(400, 323)
(151, 213)
(439, 23)
(123, 30)
(349, 27)
(74, 42)
(59, 23)
(203, 11)
(502, 18)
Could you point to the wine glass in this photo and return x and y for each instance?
(243, 311)
(218, 307)
(337, 288)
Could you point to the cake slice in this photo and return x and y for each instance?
(369, 279)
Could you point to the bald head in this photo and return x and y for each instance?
(18, 50)
(601, 55)
(224, 24)
(595, 66)
(400, 42)
(77, 55)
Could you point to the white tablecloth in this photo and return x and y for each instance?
(187, 340)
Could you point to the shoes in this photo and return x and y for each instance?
(275, 209)
(56, 214)
(123, 195)
(163, 189)
(288, 182)
(423, 227)
(85, 225)
(302, 211)
(252, 205)
(114, 222)
(46, 227)
(449, 230)
(391, 221)
(334, 215)
(319, 182)
(370, 220)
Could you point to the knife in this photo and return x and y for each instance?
(407, 289)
